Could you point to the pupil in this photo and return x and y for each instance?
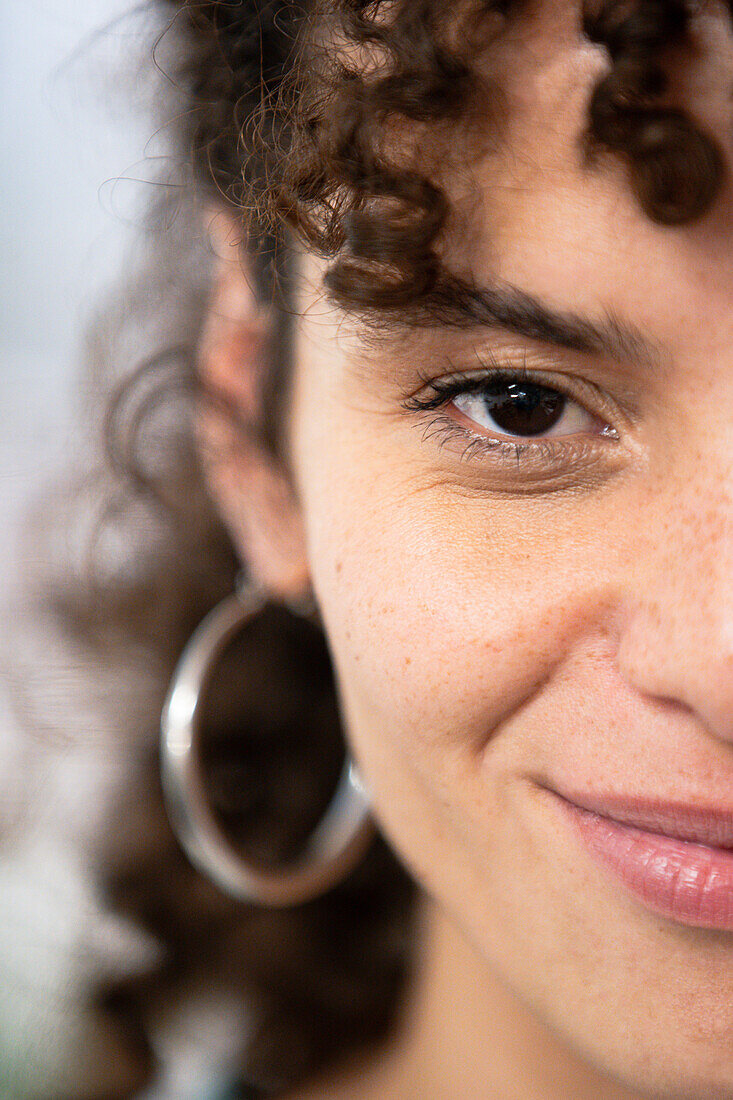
(524, 408)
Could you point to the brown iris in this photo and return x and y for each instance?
(523, 408)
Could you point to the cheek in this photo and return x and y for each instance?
(445, 612)
(449, 617)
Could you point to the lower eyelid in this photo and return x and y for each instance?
(543, 452)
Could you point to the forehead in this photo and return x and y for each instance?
(530, 214)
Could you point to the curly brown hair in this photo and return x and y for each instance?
(292, 116)
(301, 136)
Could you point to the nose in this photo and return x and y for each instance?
(677, 641)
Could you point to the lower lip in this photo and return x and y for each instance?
(684, 881)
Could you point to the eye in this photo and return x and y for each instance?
(544, 423)
(515, 407)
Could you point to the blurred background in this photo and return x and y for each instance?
(79, 153)
(75, 135)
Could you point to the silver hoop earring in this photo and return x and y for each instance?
(340, 839)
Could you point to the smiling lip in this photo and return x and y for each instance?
(676, 859)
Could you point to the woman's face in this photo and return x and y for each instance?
(552, 614)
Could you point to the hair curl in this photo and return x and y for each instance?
(298, 137)
(302, 138)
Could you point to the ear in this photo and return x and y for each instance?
(251, 489)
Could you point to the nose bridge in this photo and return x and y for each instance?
(677, 642)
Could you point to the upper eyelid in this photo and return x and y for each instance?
(608, 386)
(487, 363)
(465, 380)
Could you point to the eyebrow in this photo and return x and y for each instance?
(515, 310)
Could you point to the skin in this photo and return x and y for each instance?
(500, 626)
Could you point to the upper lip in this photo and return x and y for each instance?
(683, 821)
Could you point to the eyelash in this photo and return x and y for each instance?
(445, 428)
